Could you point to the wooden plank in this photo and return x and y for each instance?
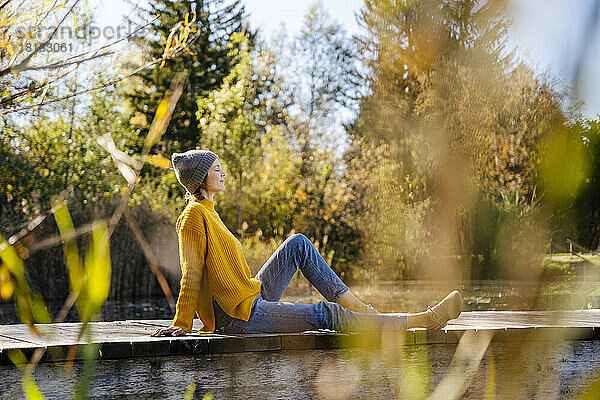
(297, 341)
(13, 343)
(124, 339)
(164, 323)
(189, 345)
(50, 334)
(260, 342)
(117, 331)
(226, 344)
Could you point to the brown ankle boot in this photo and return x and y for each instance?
(447, 309)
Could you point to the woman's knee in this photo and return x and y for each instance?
(298, 239)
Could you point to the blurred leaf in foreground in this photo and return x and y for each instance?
(30, 306)
(189, 391)
(563, 166)
(159, 161)
(31, 389)
(7, 285)
(71, 254)
(97, 266)
(91, 281)
(593, 392)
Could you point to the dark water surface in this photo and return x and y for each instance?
(396, 296)
(536, 370)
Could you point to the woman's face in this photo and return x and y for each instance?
(215, 180)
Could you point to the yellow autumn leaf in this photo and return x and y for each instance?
(31, 389)
(70, 251)
(11, 259)
(97, 266)
(7, 285)
(17, 357)
(159, 161)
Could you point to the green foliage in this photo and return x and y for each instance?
(232, 123)
(556, 270)
(320, 83)
(505, 237)
(205, 65)
(563, 166)
(573, 188)
(60, 154)
(89, 277)
(460, 119)
(29, 304)
(390, 208)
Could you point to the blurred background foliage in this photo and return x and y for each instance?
(421, 148)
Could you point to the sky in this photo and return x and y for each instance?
(548, 34)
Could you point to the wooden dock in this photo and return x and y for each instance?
(131, 339)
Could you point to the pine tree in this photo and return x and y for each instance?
(205, 66)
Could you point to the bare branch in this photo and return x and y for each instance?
(113, 43)
(61, 64)
(31, 89)
(114, 81)
(4, 4)
(68, 96)
(156, 130)
(23, 65)
(56, 239)
(28, 227)
(38, 21)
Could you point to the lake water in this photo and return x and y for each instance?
(527, 370)
(403, 296)
(536, 369)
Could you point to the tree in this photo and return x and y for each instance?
(55, 155)
(205, 64)
(453, 112)
(33, 67)
(320, 88)
(231, 118)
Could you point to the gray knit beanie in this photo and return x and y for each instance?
(192, 167)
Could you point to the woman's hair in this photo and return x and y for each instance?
(198, 193)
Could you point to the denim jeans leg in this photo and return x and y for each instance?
(282, 317)
(297, 252)
(269, 315)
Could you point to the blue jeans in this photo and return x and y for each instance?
(269, 315)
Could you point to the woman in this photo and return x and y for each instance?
(216, 282)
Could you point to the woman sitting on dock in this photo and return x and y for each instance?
(216, 282)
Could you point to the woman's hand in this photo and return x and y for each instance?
(170, 331)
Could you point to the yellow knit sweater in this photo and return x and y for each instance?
(212, 266)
